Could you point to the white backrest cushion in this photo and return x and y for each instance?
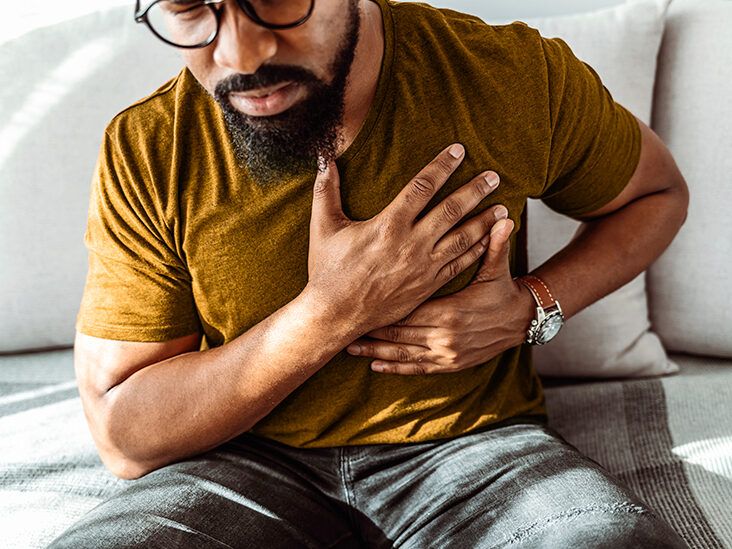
(61, 85)
(523, 9)
(690, 286)
(612, 337)
(71, 78)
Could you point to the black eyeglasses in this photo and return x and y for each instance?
(195, 23)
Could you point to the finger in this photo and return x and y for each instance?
(452, 209)
(462, 238)
(413, 198)
(496, 260)
(458, 265)
(408, 369)
(327, 212)
(498, 247)
(397, 352)
(415, 335)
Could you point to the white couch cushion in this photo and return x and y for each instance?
(690, 286)
(69, 84)
(612, 337)
(68, 81)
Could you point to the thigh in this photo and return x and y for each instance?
(237, 495)
(516, 486)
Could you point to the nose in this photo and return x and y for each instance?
(241, 45)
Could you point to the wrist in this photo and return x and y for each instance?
(526, 305)
(549, 315)
(343, 319)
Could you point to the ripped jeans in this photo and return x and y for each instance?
(518, 485)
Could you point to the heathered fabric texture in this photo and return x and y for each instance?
(181, 240)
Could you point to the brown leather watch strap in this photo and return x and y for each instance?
(540, 290)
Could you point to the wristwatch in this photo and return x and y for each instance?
(549, 316)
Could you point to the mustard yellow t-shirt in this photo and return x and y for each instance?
(180, 240)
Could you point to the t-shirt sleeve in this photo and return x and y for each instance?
(137, 287)
(595, 142)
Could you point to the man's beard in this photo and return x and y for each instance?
(278, 147)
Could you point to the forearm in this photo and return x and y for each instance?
(607, 253)
(193, 402)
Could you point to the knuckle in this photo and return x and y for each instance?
(419, 369)
(392, 333)
(423, 186)
(409, 254)
(454, 268)
(453, 359)
(450, 318)
(461, 243)
(452, 210)
(480, 189)
(476, 252)
(386, 229)
(402, 354)
(449, 342)
(445, 164)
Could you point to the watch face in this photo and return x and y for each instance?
(550, 327)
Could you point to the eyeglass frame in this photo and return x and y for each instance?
(244, 5)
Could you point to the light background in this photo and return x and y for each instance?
(22, 16)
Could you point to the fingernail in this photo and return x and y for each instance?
(354, 349)
(485, 239)
(499, 227)
(501, 212)
(377, 366)
(457, 150)
(492, 179)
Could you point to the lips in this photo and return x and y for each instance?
(263, 92)
(267, 101)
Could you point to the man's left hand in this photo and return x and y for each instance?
(459, 331)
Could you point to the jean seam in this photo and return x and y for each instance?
(345, 479)
(539, 525)
(185, 528)
(340, 539)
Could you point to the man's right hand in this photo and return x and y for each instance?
(151, 404)
(383, 268)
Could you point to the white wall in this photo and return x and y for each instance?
(22, 16)
(506, 9)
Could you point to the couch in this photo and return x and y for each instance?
(666, 434)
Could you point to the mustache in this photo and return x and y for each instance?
(266, 75)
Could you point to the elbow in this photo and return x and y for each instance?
(110, 440)
(115, 460)
(683, 191)
(677, 193)
(686, 202)
(121, 465)
(122, 468)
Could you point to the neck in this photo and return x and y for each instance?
(364, 76)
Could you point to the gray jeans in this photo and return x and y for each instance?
(518, 484)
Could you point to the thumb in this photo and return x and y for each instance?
(496, 260)
(327, 212)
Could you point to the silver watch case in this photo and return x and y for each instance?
(546, 325)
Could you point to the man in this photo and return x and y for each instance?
(354, 172)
